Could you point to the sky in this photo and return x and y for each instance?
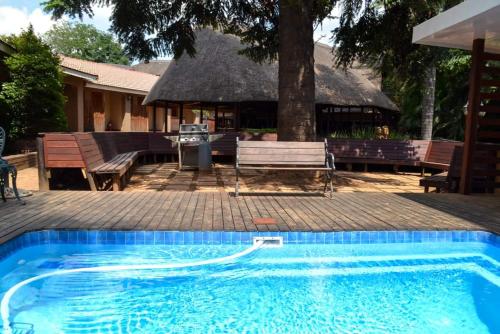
(16, 15)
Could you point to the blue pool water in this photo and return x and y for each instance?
(421, 287)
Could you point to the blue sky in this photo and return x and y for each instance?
(16, 15)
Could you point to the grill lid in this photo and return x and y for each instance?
(193, 129)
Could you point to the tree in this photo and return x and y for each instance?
(271, 29)
(380, 33)
(84, 41)
(32, 98)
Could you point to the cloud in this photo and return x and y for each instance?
(16, 19)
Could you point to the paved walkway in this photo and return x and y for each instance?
(187, 210)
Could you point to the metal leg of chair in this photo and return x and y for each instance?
(2, 187)
(331, 184)
(326, 182)
(237, 186)
(13, 173)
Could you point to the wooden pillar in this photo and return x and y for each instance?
(470, 137)
(168, 118)
(43, 180)
(181, 113)
(237, 117)
(80, 107)
(154, 116)
(216, 127)
(127, 116)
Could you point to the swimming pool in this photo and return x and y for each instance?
(339, 282)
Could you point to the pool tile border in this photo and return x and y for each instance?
(108, 237)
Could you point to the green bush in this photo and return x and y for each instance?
(264, 130)
(366, 133)
(32, 100)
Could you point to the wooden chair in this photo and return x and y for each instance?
(295, 156)
(5, 170)
(446, 181)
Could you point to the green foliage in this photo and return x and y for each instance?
(361, 133)
(367, 133)
(379, 33)
(153, 28)
(84, 41)
(263, 130)
(32, 99)
(451, 94)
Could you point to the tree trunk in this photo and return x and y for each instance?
(296, 107)
(428, 102)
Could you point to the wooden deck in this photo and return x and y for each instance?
(222, 211)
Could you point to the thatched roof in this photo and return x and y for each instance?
(219, 74)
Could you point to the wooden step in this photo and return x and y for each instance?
(489, 134)
(490, 83)
(491, 56)
(491, 160)
(490, 96)
(491, 71)
(486, 172)
(490, 109)
(488, 122)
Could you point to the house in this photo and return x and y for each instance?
(107, 97)
(156, 67)
(229, 91)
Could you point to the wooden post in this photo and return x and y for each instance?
(216, 118)
(116, 182)
(154, 116)
(43, 180)
(497, 178)
(472, 115)
(201, 113)
(237, 117)
(181, 114)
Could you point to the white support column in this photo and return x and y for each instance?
(80, 107)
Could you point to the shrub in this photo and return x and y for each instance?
(32, 99)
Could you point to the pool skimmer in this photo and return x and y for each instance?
(268, 242)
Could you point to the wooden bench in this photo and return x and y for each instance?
(117, 167)
(293, 156)
(102, 158)
(380, 152)
(447, 181)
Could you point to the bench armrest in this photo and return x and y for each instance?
(330, 161)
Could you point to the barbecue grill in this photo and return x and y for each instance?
(193, 143)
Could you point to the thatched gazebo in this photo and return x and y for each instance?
(229, 91)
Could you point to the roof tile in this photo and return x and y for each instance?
(110, 75)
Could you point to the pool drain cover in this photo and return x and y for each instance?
(265, 221)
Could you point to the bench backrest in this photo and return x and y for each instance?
(281, 153)
(61, 150)
(410, 151)
(91, 152)
(441, 151)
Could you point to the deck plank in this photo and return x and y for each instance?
(222, 211)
